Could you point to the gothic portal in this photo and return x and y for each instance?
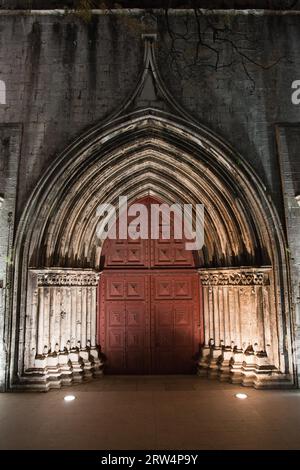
(220, 312)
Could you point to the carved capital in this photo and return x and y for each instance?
(234, 278)
(48, 278)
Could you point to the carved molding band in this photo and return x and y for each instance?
(67, 278)
(234, 278)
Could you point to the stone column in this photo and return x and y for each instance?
(205, 353)
(65, 314)
(236, 314)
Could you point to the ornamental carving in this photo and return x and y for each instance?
(234, 279)
(67, 279)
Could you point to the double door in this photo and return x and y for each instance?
(150, 321)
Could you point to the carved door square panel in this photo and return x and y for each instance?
(163, 254)
(163, 313)
(136, 314)
(183, 288)
(164, 339)
(134, 255)
(115, 314)
(135, 339)
(116, 255)
(115, 288)
(123, 253)
(116, 338)
(135, 287)
(182, 256)
(135, 318)
(183, 314)
(163, 287)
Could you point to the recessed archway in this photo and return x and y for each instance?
(242, 263)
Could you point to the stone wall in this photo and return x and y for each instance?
(63, 74)
(288, 141)
(10, 142)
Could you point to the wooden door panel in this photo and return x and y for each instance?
(135, 287)
(183, 337)
(117, 255)
(162, 287)
(116, 339)
(126, 322)
(150, 330)
(183, 314)
(135, 255)
(163, 314)
(135, 340)
(173, 337)
(136, 315)
(149, 304)
(114, 289)
(115, 315)
(164, 339)
(163, 254)
(175, 315)
(183, 287)
(123, 253)
(182, 257)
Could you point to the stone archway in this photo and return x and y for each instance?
(159, 150)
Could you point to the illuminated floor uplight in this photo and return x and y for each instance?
(241, 396)
(69, 398)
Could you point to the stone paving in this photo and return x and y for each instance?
(154, 412)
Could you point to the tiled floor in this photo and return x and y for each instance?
(174, 412)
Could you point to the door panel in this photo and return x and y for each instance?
(173, 337)
(124, 324)
(135, 287)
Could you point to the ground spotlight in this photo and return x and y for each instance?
(69, 398)
(241, 396)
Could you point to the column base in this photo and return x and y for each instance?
(60, 369)
(237, 367)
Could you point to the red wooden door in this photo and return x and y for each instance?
(125, 322)
(175, 319)
(149, 307)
